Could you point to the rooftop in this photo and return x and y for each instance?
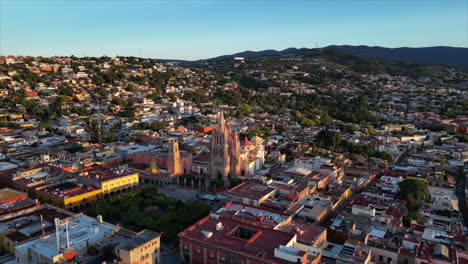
(7, 194)
(81, 231)
(101, 173)
(306, 233)
(232, 235)
(251, 189)
(256, 214)
(68, 189)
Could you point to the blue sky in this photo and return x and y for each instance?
(196, 29)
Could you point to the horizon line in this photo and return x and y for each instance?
(133, 56)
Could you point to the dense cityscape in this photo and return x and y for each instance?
(309, 156)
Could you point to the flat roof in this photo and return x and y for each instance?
(306, 233)
(7, 193)
(101, 173)
(82, 230)
(299, 170)
(261, 245)
(129, 240)
(251, 189)
(68, 189)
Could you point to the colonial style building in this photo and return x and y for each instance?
(170, 159)
(224, 151)
(229, 157)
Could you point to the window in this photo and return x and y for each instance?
(380, 258)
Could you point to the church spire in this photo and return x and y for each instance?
(221, 117)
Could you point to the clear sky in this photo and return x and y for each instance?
(195, 29)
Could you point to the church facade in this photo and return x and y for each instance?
(231, 158)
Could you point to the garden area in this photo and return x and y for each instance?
(146, 208)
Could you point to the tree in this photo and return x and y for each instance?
(66, 90)
(128, 113)
(234, 182)
(413, 191)
(329, 139)
(130, 88)
(157, 126)
(81, 111)
(244, 110)
(76, 148)
(102, 91)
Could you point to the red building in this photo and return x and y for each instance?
(173, 160)
(8, 195)
(244, 234)
(205, 129)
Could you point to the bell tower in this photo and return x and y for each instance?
(173, 158)
(219, 152)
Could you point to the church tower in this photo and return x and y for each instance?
(234, 152)
(219, 151)
(173, 158)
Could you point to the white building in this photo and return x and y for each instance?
(72, 238)
(443, 199)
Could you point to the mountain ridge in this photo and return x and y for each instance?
(439, 55)
(444, 55)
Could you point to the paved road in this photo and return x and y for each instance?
(173, 258)
(460, 192)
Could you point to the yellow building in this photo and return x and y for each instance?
(109, 179)
(340, 194)
(69, 196)
(142, 247)
(7, 245)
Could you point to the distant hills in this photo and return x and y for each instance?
(452, 56)
(429, 55)
(254, 54)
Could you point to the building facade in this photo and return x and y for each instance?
(231, 158)
(224, 152)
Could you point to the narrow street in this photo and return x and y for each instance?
(460, 192)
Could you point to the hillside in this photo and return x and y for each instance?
(450, 56)
(254, 54)
(312, 60)
(431, 55)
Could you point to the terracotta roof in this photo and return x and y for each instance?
(263, 240)
(246, 143)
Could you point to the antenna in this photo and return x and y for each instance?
(68, 239)
(42, 225)
(316, 44)
(139, 56)
(56, 220)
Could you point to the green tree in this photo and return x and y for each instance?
(329, 139)
(370, 129)
(244, 110)
(157, 126)
(413, 191)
